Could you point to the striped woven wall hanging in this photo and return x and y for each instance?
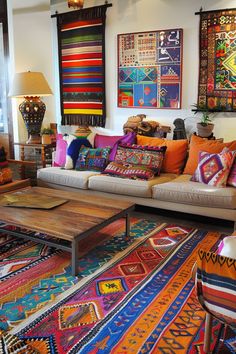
(81, 49)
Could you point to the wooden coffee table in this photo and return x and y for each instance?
(68, 223)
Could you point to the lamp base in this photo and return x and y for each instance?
(34, 139)
(32, 110)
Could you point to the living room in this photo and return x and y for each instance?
(141, 268)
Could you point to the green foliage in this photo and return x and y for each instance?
(205, 118)
(47, 131)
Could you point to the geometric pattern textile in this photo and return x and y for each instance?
(216, 286)
(129, 171)
(33, 275)
(143, 301)
(81, 42)
(213, 169)
(148, 156)
(150, 69)
(92, 159)
(217, 70)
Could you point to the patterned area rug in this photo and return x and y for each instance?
(31, 275)
(135, 297)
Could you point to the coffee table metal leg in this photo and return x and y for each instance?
(127, 226)
(74, 257)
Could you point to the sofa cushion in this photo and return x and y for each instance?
(92, 159)
(113, 141)
(182, 190)
(73, 149)
(70, 178)
(213, 169)
(175, 154)
(198, 144)
(149, 156)
(129, 171)
(116, 185)
(60, 153)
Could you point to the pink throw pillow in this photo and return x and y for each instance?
(60, 155)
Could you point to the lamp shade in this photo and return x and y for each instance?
(29, 84)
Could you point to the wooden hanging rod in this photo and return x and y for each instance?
(86, 8)
(218, 10)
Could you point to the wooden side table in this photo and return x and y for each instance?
(17, 184)
(42, 153)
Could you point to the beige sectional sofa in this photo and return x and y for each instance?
(168, 191)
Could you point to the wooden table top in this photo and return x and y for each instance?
(78, 215)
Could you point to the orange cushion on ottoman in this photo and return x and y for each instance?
(175, 155)
(198, 144)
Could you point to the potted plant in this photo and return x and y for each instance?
(205, 126)
(47, 134)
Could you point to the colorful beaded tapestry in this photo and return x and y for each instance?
(150, 69)
(142, 301)
(81, 40)
(217, 75)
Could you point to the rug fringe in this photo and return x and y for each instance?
(83, 281)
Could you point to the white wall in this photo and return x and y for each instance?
(33, 50)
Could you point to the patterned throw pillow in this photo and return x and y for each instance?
(92, 159)
(148, 156)
(129, 171)
(72, 153)
(213, 169)
(231, 181)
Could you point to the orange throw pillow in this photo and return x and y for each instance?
(198, 144)
(175, 154)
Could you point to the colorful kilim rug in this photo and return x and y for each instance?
(81, 40)
(141, 301)
(31, 275)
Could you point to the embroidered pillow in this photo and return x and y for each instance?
(149, 156)
(198, 144)
(129, 171)
(73, 149)
(92, 159)
(175, 155)
(213, 169)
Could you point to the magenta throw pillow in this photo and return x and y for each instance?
(102, 141)
(60, 155)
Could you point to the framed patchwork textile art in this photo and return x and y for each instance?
(81, 41)
(150, 69)
(217, 70)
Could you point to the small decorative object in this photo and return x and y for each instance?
(217, 88)
(205, 126)
(150, 69)
(47, 134)
(31, 85)
(76, 4)
(5, 171)
(82, 131)
(132, 123)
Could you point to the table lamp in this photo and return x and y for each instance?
(31, 85)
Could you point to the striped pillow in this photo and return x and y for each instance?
(216, 286)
